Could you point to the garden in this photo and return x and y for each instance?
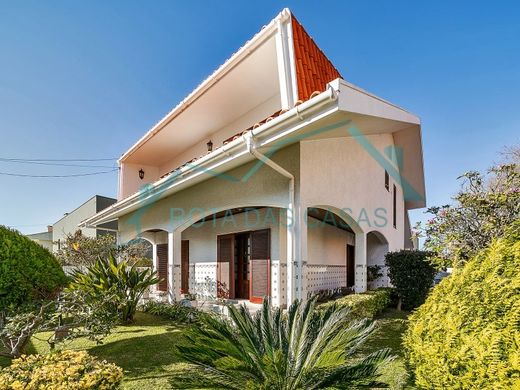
(93, 329)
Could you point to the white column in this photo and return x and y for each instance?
(296, 285)
(174, 265)
(361, 262)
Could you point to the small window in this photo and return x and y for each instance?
(394, 206)
(387, 180)
(59, 244)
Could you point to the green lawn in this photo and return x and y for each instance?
(145, 350)
(390, 327)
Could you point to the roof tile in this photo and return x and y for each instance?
(313, 69)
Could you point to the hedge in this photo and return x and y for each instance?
(467, 333)
(28, 271)
(411, 273)
(364, 305)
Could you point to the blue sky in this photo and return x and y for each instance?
(87, 79)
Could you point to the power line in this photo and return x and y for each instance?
(58, 159)
(54, 164)
(57, 176)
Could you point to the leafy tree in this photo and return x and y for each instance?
(28, 272)
(412, 274)
(71, 316)
(83, 251)
(466, 335)
(125, 282)
(302, 349)
(483, 209)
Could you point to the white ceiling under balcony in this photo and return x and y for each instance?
(251, 82)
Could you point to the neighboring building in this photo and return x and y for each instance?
(309, 181)
(69, 223)
(43, 238)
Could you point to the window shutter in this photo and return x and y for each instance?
(162, 266)
(225, 257)
(260, 265)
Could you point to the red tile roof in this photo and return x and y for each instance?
(313, 69)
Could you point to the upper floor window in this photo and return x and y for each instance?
(394, 206)
(387, 180)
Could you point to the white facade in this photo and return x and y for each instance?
(330, 177)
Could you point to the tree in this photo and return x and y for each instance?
(70, 316)
(412, 274)
(82, 251)
(125, 282)
(466, 335)
(484, 207)
(303, 349)
(29, 273)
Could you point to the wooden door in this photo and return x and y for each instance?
(260, 265)
(225, 259)
(162, 266)
(185, 266)
(351, 265)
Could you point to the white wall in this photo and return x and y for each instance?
(203, 239)
(327, 244)
(338, 172)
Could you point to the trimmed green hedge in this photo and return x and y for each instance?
(28, 271)
(411, 273)
(364, 305)
(467, 333)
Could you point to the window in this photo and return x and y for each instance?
(394, 206)
(387, 180)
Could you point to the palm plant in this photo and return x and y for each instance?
(306, 348)
(126, 283)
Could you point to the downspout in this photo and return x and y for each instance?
(291, 244)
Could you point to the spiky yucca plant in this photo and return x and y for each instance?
(305, 348)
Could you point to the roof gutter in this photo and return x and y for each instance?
(291, 121)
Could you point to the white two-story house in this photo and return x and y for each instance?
(274, 177)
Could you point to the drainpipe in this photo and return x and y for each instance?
(291, 247)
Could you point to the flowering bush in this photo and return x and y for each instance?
(67, 370)
(483, 209)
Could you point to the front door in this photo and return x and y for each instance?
(244, 265)
(351, 261)
(241, 266)
(185, 266)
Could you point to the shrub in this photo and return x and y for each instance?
(411, 273)
(126, 283)
(28, 272)
(304, 348)
(364, 305)
(67, 370)
(172, 311)
(467, 333)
